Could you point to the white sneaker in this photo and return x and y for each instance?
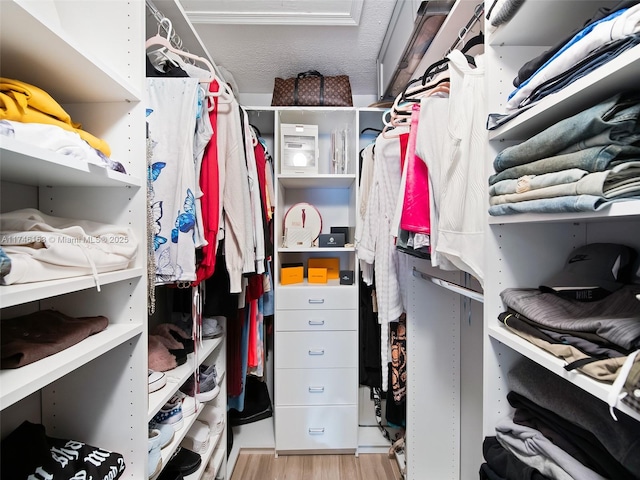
(189, 404)
(170, 414)
(211, 328)
(157, 380)
(214, 417)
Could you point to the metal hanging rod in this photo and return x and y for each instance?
(454, 287)
(477, 14)
(161, 18)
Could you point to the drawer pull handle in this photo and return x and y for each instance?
(316, 322)
(316, 300)
(316, 431)
(319, 351)
(316, 389)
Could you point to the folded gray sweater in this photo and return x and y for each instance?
(621, 438)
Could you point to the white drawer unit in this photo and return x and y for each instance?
(317, 298)
(316, 349)
(316, 428)
(316, 320)
(316, 324)
(318, 386)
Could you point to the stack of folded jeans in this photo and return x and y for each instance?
(581, 163)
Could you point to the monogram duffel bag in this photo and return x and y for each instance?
(311, 88)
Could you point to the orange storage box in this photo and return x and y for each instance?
(317, 275)
(291, 275)
(332, 264)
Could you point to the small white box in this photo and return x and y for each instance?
(299, 148)
(197, 439)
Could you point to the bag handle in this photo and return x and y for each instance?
(309, 73)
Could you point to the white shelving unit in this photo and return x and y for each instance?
(523, 250)
(316, 371)
(212, 351)
(88, 57)
(291, 188)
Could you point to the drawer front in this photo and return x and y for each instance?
(316, 349)
(316, 428)
(316, 320)
(316, 386)
(317, 298)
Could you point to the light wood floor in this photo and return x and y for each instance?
(264, 466)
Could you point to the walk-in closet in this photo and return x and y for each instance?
(430, 272)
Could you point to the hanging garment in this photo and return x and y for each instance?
(463, 187)
(171, 116)
(399, 360)
(235, 201)
(366, 182)
(237, 401)
(260, 155)
(257, 223)
(432, 147)
(370, 367)
(201, 139)
(377, 244)
(415, 206)
(210, 201)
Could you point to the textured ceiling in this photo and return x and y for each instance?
(256, 54)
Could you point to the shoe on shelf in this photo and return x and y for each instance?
(212, 370)
(157, 380)
(211, 328)
(214, 417)
(169, 473)
(209, 370)
(166, 432)
(208, 387)
(185, 460)
(154, 455)
(197, 438)
(189, 404)
(174, 338)
(160, 359)
(170, 414)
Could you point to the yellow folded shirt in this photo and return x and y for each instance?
(26, 103)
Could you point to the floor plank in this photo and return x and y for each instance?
(264, 466)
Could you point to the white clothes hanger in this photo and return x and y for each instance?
(164, 42)
(224, 94)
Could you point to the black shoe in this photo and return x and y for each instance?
(170, 473)
(186, 342)
(257, 404)
(185, 461)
